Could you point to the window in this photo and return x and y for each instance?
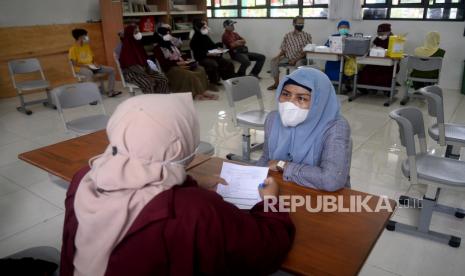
(443, 10)
(267, 8)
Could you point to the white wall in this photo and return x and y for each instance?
(265, 35)
(44, 12)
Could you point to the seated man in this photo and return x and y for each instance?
(82, 57)
(239, 52)
(291, 51)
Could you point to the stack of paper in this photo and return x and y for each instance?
(243, 181)
(218, 51)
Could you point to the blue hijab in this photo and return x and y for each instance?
(303, 143)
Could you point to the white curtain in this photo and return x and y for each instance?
(335, 9)
(357, 9)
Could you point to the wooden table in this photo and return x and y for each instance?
(325, 243)
(64, 159)
(328, 56)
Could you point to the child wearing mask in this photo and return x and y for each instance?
(82, 58)
(291, 51)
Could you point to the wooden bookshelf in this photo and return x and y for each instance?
(117, 14)
(137, 14)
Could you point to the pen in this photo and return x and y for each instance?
(261, 185)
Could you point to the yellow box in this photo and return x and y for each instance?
(396, 46)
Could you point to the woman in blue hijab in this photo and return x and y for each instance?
(307, 139)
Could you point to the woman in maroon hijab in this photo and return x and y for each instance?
(374, 74)
(133, 62)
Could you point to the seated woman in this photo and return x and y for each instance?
(429, 49)
(135, 211)
(215, 65)
(307, 139)
(183, 76)
(133, 62)
(377, 75)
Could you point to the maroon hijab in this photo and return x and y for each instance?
(132, 51)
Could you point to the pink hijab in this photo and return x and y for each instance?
(150, 135)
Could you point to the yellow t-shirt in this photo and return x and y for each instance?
(81, 54)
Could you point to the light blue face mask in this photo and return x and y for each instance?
(344, 31)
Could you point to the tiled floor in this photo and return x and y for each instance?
(31, 207)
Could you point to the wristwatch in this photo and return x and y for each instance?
(280, 166)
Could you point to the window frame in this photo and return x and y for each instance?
(268, 8)
(425, 5)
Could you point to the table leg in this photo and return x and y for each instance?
(393, 85)
(341, 74)
(354, 90)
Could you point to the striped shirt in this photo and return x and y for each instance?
(294, 43)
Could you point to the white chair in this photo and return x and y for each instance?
(238, 89)
(452, 135)
(98, 77)
(130, 86)
(80, 94)
(28, 66)
(420, 64)
(423, 168)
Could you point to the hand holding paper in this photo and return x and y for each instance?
(242, 188)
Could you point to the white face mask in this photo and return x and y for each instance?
(382, 37)
(167, 37)
(86, 39)
(138, 36)
(291, 115)
(204, 31)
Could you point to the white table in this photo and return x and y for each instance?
(381, 61)
(328, 56)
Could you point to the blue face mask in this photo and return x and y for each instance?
(344, 31)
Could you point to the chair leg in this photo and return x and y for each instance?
(428, 206)
(49, 102)
(102, 86)
(406, 97)
(22, 108)
(246, 149)
(246, 146)
(452, 152)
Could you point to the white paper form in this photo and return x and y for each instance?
(243, 181)
(218, 51)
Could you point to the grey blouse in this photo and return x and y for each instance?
(332, 171)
